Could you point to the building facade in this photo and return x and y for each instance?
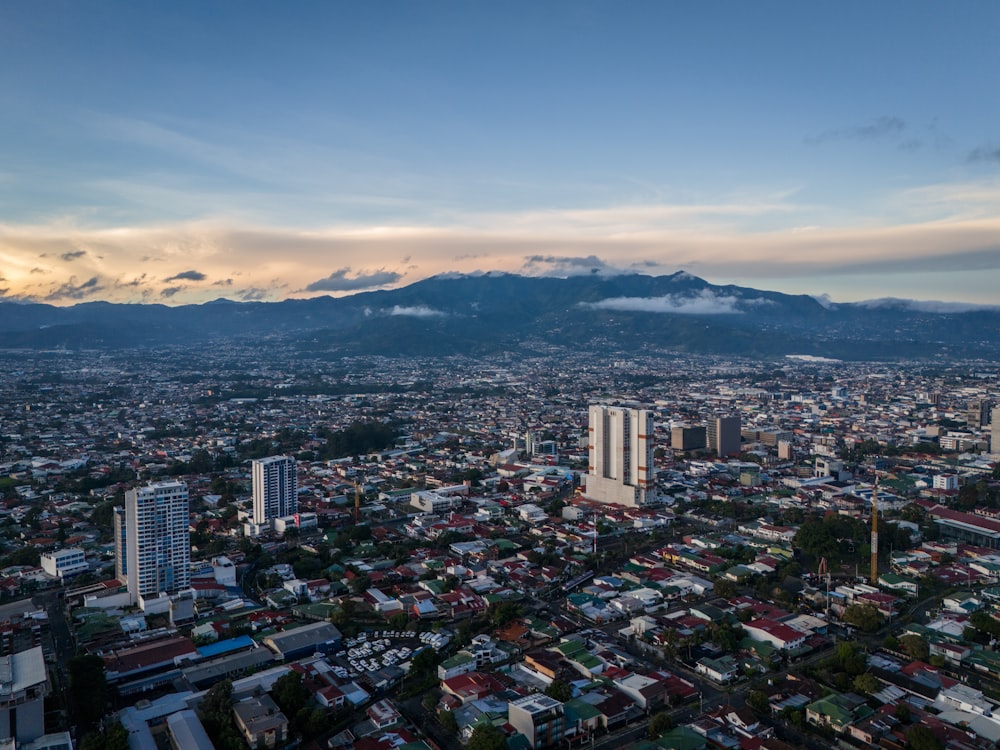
(723, 436)
(64, 563)
(121, 546)
(620, 446)
(995, 430)
(157, 539)
(23, 687)
(539, 718)
(275, 489)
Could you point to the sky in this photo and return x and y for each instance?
(185, 151)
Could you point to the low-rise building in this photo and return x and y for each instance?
(261, 722)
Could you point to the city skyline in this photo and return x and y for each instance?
(181, 153)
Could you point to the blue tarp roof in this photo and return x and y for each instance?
(224, 647)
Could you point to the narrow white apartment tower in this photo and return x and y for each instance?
(275, 489)
(158, 539)
(121, 545)
(621, 456)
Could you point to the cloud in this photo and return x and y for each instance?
(187, 276)
(705, 302)
(418, 311)
(223, 282)
(254, 294)
(74, 291)
(73, 255)
(557, 265)
(824, 299)
(339, 281)
(170, 291)
(885, 127)
(137, 282)
(927, 306)
(987, 153)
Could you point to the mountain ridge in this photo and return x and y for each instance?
(483, 313)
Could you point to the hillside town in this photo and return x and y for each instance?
(249, 547)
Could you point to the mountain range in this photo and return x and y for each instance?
(494, 312)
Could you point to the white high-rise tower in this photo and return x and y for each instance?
(275, 489)
(621, 456)
(157, 539)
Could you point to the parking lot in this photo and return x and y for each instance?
(370, 651)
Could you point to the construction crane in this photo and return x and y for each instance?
(874, 580)
(824, 572)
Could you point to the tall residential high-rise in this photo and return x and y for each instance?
(621, 456)
(121, 545)
(723, 436)
(158, 539)
(995, 431)
(275, 489)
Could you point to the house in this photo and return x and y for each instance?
(723, 670)
(837, 711)
(777, 634)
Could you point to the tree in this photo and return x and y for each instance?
(922, 738)
(866, 683)
(659, 724)
(289, 693)
(561, 690)
(216, 711)
(758, 701)
(486, 737)
(902, 713)
(725, 588)
(113, 737)
(89, 688)
(425, 662)
(863, 616)
(915, 647)
(503, 613)
(448, 721)
(985, 622)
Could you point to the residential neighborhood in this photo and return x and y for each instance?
(234, 550)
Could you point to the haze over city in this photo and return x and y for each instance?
(182, 152)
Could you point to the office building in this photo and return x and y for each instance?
(275, 489)
(65, 563)
(723, 436)
(686, 438)
(621, 456)
(157, 539)
(977, 413)
(121, 548)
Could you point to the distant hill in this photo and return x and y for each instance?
(484, 314)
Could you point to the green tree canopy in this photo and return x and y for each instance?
(486, 737)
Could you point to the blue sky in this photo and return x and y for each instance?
(178, 152)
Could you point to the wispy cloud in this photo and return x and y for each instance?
(927, 306)
(881, 128)
(418, 311)
(557, 265)
(342, 280)
(71, 290)
(705, 302)
(986, 153)
(73, 255)
(187, 276)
